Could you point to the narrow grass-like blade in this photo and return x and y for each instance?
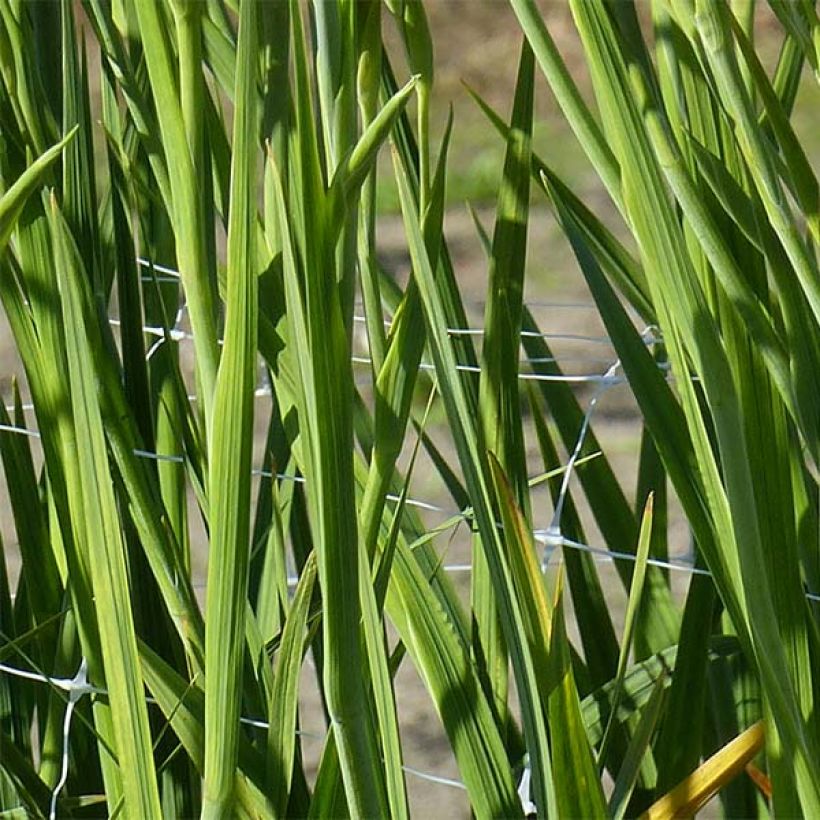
(14, 199)
(632, 608)
(476, 470)
(677, 749)
(715, 33)
(79, 178)
(607, 500)
(105, 549)
(231, 439)
(639, 682)
(589, 602)
(32, 792)
(183, 705)
(397, 377)
(612, 255)
(316, 328)
(627, 777)
(282, 709)
(498, 385)
(569, 97)
(577, 786)
(383, 695)
(411, 159)
(356, 165)
(801, 177)
(185, 205)
(449, 675)
(684, 318)
(45, 596)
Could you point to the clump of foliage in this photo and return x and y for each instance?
(264, 120)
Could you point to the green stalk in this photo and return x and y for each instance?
(368, 80)
(185, 179)
(229, 489)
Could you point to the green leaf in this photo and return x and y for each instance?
(316, 328)
(184, 204)
(498, 384)
(714, 31)
(231, 438)
(183, 705)
(578, 787)
(284, 700)
(568, 96)
(14, 199)
(99, 530)
(628, 775)
(34, 795)
(632, 609)
(476, 471)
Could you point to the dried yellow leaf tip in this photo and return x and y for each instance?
(692, 793)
